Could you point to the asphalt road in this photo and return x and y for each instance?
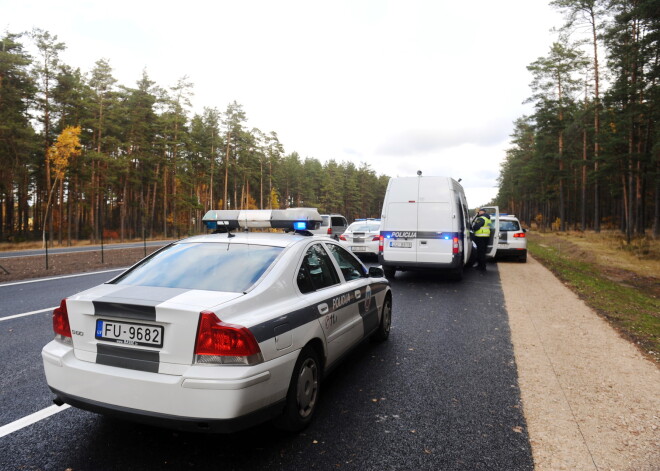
(441, 394)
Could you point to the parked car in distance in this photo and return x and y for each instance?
(332, 225)
(512, 241)
(362, 236)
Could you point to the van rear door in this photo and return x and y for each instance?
(400, 221)
(434, 221)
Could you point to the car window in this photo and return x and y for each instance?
(350, 268)
(362, 227)
(316, 271)
(205, 266)
(337, 221)
(506, 226)
(326, 220)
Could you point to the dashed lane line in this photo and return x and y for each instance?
(31, 419)
(27, 313)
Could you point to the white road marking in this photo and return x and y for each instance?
(27, 313)
(61, 277)
(31, 419)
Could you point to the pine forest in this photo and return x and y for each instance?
(85, 157)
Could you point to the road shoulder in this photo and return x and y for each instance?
(591, 400)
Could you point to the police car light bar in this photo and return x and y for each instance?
(297, 219)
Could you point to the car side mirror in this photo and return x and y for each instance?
(376, 272)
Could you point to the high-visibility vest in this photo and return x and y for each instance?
(484, 231)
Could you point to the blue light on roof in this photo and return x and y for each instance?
(300, 225)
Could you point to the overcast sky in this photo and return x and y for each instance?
(401, 85)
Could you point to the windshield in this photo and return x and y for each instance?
(205, 266)
(363, 227)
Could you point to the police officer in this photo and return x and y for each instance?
(481, 231)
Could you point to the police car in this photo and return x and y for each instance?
(221, 331)
(512, 240)
(362, 236)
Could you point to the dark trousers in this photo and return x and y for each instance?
(482, 247)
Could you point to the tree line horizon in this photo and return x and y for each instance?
(142, 165)
(145, 165)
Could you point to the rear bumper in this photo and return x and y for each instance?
(204, 398)
(174, 422)
(455, 263)
(511, 252)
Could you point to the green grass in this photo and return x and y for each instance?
(634, 313)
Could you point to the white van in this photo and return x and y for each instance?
(425, 223)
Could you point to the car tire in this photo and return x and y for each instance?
(389, 272)
(383, 330)
(303, 394)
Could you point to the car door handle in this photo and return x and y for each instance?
(358, 294)
(323, 308)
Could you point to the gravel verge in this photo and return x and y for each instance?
(590, 398)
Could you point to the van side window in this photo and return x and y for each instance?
(316, 271)
(350, 268)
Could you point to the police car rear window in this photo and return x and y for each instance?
(204, 266)
(506, 226)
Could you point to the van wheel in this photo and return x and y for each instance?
(302, 397)
(389, 272)
(383, 331)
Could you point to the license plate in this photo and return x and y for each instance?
(129, 333)
(358, 249)
(403, 245)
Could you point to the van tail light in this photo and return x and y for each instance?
(330, 230)
(226, 344)
(519, 234)
(341, 237)
(381, 243)
(455, 246)
(61, 323)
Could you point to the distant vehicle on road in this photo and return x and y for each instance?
(512, 240)
(425, 225)
(362, 237)
(332, 225)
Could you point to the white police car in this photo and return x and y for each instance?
(362, 236)
(512, 240)
(221, 331)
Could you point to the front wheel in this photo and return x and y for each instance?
(383, 331)
(302, 397)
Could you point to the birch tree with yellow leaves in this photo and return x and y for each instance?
(59, 155)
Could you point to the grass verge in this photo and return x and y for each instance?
(632, 310)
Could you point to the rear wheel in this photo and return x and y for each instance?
(383, 331)
(302, 397)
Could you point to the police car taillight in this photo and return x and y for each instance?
(342, 237)
(61, 323)
(226, 344)
(375, 238)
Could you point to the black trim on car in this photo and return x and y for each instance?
(130, 358)
(186, 424)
